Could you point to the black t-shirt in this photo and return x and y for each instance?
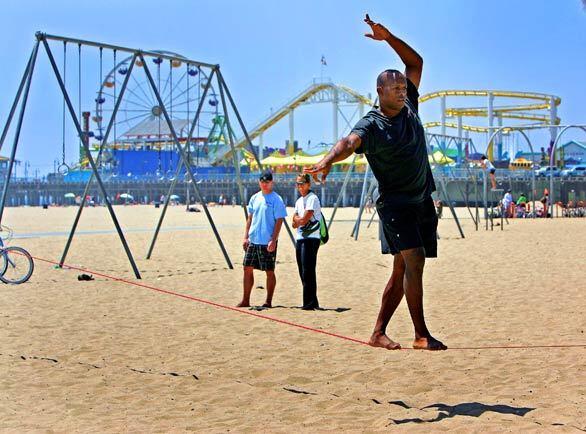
(396, 152)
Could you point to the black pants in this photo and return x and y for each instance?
(306, 252)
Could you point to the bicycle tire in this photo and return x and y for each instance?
(3, 260)
(5, 253)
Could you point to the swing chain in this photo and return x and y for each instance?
(63, 168)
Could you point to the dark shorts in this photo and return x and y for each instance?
(408, 226)
(492, 171)
(258, 257)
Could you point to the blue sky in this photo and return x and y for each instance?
(270, 50)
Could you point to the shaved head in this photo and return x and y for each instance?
(389, 75)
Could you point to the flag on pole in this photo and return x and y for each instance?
(323, 59)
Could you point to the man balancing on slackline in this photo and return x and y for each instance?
(393, 140)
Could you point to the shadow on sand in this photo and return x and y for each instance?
(325, 309)
(473, 409)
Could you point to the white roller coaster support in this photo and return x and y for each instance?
(335, 119)
(490, 105)
(459, 158)
(499, 137)
(553, 113)
(443, 118)
(291, 130)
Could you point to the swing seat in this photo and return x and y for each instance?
(157, 60)
(122, 71)
(175, 63)
(139, 63)
(109, 84)
(192, 72)
(101, 100)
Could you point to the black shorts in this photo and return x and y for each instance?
(258, 257)
(408, 226)
(492, 171)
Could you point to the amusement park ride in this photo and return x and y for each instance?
(525, 115)
(158, 113)
(140, 118)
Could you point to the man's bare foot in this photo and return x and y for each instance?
(430, 343)
(243, 304)
(381, 340)
(267, 304)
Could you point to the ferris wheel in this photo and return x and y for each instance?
(140, 120)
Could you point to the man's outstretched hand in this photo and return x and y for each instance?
(379, 32)
(321, 167)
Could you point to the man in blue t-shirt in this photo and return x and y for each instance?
(266, 212)
(393, 140)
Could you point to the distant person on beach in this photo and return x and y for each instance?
(307, 239)
(368, 205)
(266, 212)
(393, 140)
(545, 203)
(507, 202)
(521, 206)
(491, 170)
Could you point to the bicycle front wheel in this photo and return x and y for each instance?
(19, 265)
(3, 260)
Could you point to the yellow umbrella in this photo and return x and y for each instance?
(273, 161)
(439, 158)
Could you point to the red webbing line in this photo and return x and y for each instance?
(289, 323)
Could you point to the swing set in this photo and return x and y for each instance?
(162, 112)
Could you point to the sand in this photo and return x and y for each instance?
(106, 356)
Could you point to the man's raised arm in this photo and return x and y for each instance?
(340, 151)
(412, 60)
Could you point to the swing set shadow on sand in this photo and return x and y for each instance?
(138, 58)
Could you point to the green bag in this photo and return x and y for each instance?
(313, 226)
(324, 235)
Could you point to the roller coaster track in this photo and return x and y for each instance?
(314, 93)
(322, 92)
(517, 111)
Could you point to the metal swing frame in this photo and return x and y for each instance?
(137, 55)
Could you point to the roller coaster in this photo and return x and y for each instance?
(316, 92)
(528, 115)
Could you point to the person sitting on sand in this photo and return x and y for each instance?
(545, 204)
(393, 140)
(266, 212)
(522, 200)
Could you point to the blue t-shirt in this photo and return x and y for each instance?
(265, 210)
